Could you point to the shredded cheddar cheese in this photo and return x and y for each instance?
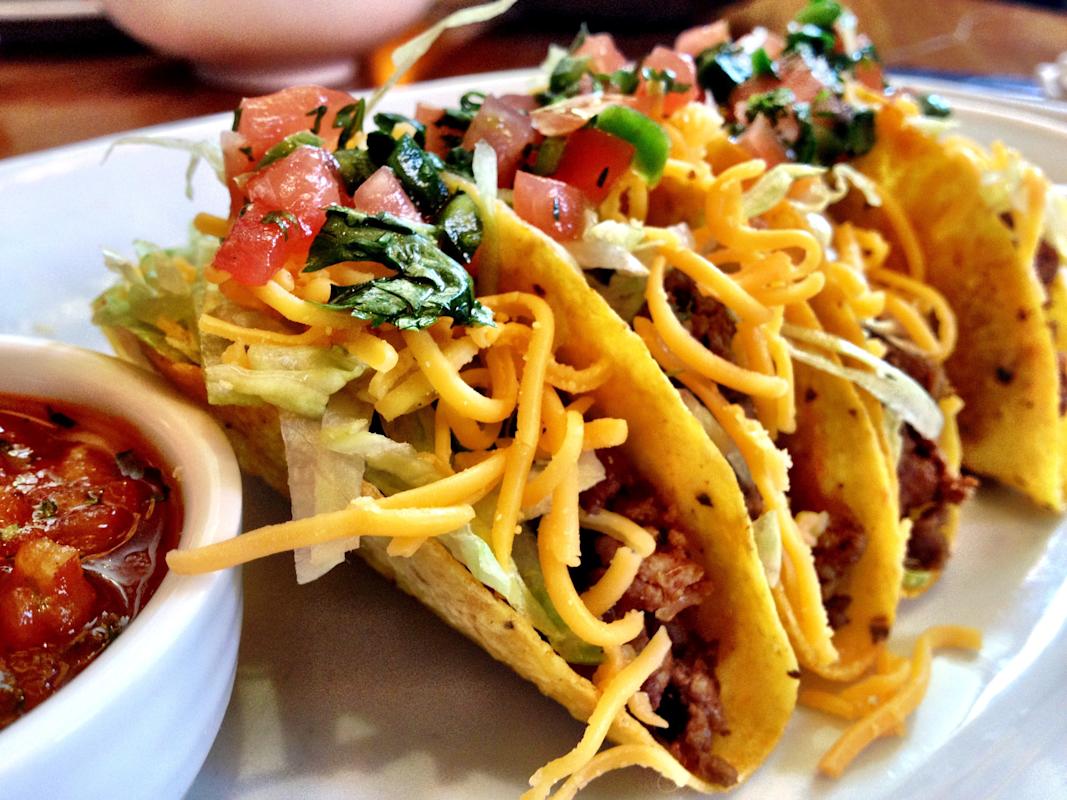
(879, 704)
(612, 700)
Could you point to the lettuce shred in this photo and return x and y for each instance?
(157, 296)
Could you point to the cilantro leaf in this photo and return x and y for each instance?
(288, 145)
(428, 284)
(418, 175)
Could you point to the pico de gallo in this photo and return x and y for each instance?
(86, 517)
(320, 191)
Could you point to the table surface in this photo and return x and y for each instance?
(61, 92)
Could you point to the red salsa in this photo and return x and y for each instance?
(87, 513)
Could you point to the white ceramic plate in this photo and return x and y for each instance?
(346, 688)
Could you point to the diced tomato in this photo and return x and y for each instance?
(14, 510)
(382, 192)
(46, 598)
(297, 189)
(603, 55)
(870, 74)
(436, 141)
(520, 102)
(797, 76)
(94, 529)
(760, 139)
(267, 120)
(254, 251)
(551, 205)
(508, 131)
(91, 464)
(649, 93)
(593, 160)
(703, 37)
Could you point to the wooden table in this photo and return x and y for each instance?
(52, 95)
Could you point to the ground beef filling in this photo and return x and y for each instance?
(927, 488)
(837, 550)
(668, 587)
(712, 324)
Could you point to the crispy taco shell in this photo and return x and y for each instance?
(755, 666)
(1005, 363)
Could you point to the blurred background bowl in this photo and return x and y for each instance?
(263, 45)
(139, 721)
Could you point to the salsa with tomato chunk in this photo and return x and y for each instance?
(87, 514)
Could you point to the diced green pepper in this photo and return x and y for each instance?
(649, 140)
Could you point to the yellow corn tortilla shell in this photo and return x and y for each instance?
(756, 668)
(836, 317)
(667, 445)
(1005, 363)
(849, 453)
(839, 466)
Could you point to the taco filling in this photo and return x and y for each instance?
(331, 320)
(668, 588)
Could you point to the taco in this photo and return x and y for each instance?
(572, 519)
(982, 223)
(625, 176)
(975, 242)
(804, 104)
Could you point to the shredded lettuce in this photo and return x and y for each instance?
(718, 436)
(163, 284)
(609, 245)
(892, 387)
(590, 473)
(916, 579)
(405, 56)
(624, 293)
(298, 379)
(391, 466)
(320, 480)
(768, 537)
(774, 186)
(543, 614)
(206, 151)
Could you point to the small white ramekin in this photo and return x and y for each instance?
(139, 720)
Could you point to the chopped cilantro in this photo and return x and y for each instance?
(773, 104)
(428, 284)
(350, 120)
(283, 219)
(723, 68)
(810, 39)
(763, 65)
(386, 122)
(287, 145)
(318, 113)
(666, 78)
(46, 509)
